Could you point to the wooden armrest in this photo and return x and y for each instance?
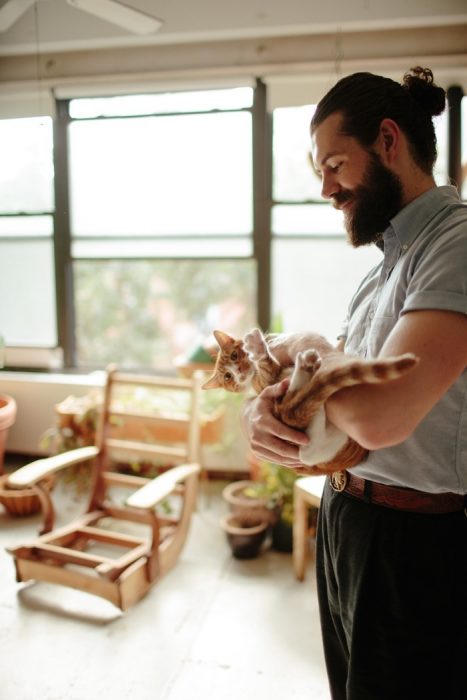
(162, 486)
(33, 472)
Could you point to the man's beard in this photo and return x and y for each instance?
(377, 200)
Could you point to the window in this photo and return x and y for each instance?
(161, 223)
(157, 235)
(27, 277)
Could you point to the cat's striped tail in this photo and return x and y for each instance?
(325, 382)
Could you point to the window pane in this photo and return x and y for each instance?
(150, 312)
(27, 282)
(463, 188)
(195, 101)
(293, 177)
(26, 226)
(314, 281)
(189, 174)
(26, 175)
(318, 219)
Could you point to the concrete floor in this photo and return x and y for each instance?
(214, 627)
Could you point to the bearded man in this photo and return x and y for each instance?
(392, 534)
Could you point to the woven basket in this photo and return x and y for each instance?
(20, 502)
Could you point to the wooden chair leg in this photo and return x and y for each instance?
(300, 528)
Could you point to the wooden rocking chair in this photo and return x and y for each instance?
(64, 555)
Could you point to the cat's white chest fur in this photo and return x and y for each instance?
(325, 440)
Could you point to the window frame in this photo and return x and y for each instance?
(64, 257)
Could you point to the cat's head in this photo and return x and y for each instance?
(233, 369)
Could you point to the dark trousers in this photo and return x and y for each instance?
(392, 590)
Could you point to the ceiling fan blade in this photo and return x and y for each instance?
(122, 15)
(12, 11)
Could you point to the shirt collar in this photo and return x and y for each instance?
(413, 218)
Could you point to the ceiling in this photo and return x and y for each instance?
(55, 26)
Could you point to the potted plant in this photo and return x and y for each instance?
(75, 426)
(248, 498)
(269, 497)
(250, 517)
(275, 484)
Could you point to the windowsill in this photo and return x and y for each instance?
(49, 376)
(44, 370)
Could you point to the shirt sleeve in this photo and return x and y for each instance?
(439, 279)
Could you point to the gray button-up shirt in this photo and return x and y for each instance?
(424, 267)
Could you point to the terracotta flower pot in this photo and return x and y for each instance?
(7, 419)
(245, 534)
(240, 502)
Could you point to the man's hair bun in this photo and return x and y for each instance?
(419, 83)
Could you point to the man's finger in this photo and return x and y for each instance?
(276, 390)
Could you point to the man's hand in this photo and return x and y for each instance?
(269, 438)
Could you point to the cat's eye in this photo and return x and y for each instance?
(227, 376)
(234, 355)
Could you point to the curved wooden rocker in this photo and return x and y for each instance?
(64, 555)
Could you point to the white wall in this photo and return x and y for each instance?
(36, 395)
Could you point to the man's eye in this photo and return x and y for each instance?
(335, 168)
(227, 376)
(234, 355)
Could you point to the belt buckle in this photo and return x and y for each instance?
(339, 480)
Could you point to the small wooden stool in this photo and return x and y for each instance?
(307, 492)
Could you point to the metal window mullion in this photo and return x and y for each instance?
(262, 191)
(454, 95)
(62, 237)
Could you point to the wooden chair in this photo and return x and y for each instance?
(64, 555)
(307, 492)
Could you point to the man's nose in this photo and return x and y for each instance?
(329, 185)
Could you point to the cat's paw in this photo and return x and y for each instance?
(309, 360)
(255, 344)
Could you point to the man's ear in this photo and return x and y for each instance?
(389, 139)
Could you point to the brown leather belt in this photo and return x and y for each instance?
(396, 497)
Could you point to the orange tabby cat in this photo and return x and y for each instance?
(314, 378)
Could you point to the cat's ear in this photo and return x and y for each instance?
(224, 339)
(212, 383)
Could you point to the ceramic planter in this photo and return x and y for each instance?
(245, 535)
(7, 419)
(239, 502)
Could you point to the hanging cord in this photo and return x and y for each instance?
(339, 55)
